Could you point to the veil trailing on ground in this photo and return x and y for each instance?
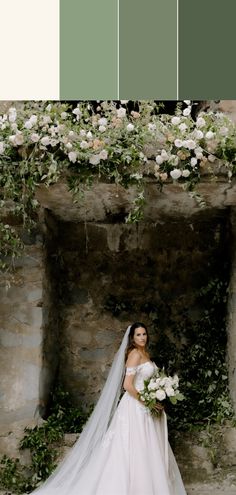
(95, 428)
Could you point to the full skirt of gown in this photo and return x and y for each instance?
(134, 457)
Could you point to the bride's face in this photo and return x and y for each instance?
(140, 337)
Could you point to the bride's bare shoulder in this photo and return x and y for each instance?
(134, 358)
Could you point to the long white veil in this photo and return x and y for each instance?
(94, 430)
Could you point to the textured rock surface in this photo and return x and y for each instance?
(20, 352)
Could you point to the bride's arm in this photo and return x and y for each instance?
(132, 361)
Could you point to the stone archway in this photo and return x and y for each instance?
(39, 328)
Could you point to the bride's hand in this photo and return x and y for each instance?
(159, 407)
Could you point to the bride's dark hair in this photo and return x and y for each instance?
(131, 344)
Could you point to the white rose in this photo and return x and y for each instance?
(12, 139)
(209, 135)
(164, 155)
(200, 122)
(45, 141)
(178, 143)
(198, 134)
(186, 172)
(72, 156)
(33, 119)
(12, 114)
(187, 112)
(160, 395)
(175, 120)
(187, 102)
(2, 147)
(69, 146)
(64, 115)
(94, 159)
(34, 137)
(167, 381)
(84, 145)
(82, 132)
(102, 128)
(121, 112)
(175, 174)
(103, 154)
(28, 124)
(123, 102)
(89, 135)
(193, 162)
(130, 127)
(170, 391)
(102, 121)
(199, 154)
(152, 386)
(190, 144)
(77, 112)
(183, 127)
(159, 160)
(151, 127)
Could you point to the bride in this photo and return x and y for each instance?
(123, 449)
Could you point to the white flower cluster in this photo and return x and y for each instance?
(159, 388)
(188, 146)
(81, 136)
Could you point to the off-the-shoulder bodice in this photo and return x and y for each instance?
(142, 372)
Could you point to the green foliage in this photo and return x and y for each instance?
(42, 441)
(11, 246)
(201, 363)
(13, 476)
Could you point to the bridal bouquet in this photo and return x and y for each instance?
(159, 389)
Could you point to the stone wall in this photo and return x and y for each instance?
(111, 275)
(21, 337)
(65, 314)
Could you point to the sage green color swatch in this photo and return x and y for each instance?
(207, 40)
(88, 49)
(148, 49)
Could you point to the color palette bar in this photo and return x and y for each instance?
(88, 49)
(148, 50)
(207, 40)
(29, 49)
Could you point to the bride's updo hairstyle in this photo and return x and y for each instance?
(131, 344)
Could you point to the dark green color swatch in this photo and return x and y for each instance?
(88, 49)
(207, 39)
(148, 49)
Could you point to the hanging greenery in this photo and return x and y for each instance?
(41, 142)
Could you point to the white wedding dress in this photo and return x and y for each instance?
(134, 457)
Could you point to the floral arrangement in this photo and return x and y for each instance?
(40, 142)
(159, 389)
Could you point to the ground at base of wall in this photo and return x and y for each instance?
(210, 489)
(199, 489)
